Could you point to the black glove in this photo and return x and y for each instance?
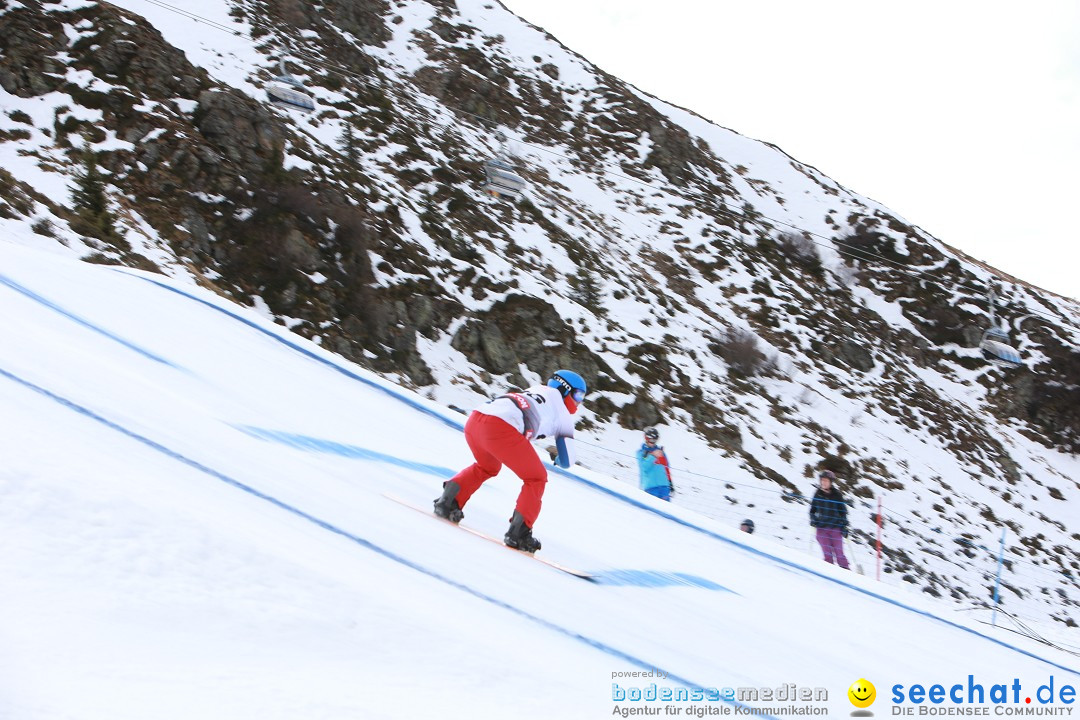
(671, 489)
(844, 532)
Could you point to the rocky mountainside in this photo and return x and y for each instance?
(768, 320)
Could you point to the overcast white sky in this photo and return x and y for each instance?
(961, 116)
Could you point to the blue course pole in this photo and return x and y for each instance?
(997, 583)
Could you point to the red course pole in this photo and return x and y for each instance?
(879, 538)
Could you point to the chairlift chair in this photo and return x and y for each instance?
(995, 344)
(287, 90)
(996, 348)
(502, 181)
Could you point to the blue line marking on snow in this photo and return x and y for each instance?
(313, 444)
(415, 405)
(621, 578)
(369, 545)
(617, 495)
(796, 566)
(655, 578)
(85, 323)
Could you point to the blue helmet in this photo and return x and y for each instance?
(569, 383)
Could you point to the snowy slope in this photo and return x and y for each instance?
(929, 439)
(193, 525)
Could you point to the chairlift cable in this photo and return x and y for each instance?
(856, 253)
(197, 18)
(830, 243)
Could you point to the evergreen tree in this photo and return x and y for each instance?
(90, 201)
(348, 144)
(586, 291)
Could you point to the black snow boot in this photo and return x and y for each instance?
(520, 536)
(446, 505)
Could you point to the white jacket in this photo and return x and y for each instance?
(536, 412)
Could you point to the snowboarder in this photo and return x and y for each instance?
(499, 433)
(828, 513)
(653, 469)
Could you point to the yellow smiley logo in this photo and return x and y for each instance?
(862, 693)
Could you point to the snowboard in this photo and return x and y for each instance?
(472, 531)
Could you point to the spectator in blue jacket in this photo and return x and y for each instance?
(653, 469)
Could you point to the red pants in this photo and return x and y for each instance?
(494, 443)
